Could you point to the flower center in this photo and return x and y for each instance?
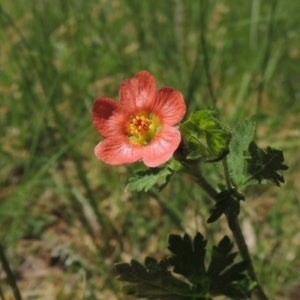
(139, 126)
(143, 128)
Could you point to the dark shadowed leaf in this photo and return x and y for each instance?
(228, 202)
(155, 281)
(188, 256)
(264, 165)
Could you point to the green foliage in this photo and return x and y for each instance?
(206, 138)
(56, 59)
(223, 273)
(228, 202)
(146, 179)
(238, 146)
(260, 166)
(155, 281)
(188, 258)
(264, 165)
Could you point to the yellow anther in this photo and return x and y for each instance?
(139, 126)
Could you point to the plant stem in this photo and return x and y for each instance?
(244, 251)
(226, 173)
(237, 232)
(10, 276)
(240, 240)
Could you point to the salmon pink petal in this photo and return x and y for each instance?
(169, 106)
(162, 147)
(138, 93)
(108, 117)
(117, 151)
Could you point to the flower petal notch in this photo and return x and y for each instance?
(142, 125)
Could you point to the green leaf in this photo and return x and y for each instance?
(188, 257)
(228, 202)
(205, 137)
(239, 144)
(264, 165)
(146, 179)
(224, 274)
(221, 258)
(155, 281)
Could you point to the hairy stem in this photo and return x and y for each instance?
(226, 173)
(198, 177)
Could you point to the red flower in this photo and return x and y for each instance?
(141, 125)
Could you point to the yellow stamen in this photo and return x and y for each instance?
(142, 128)
(139, 126)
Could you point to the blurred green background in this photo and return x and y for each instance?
(64, 216)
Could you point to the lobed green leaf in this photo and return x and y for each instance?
(146, 179)
(188, 257)
(264, 165)
(228, 202)
(155, 281)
